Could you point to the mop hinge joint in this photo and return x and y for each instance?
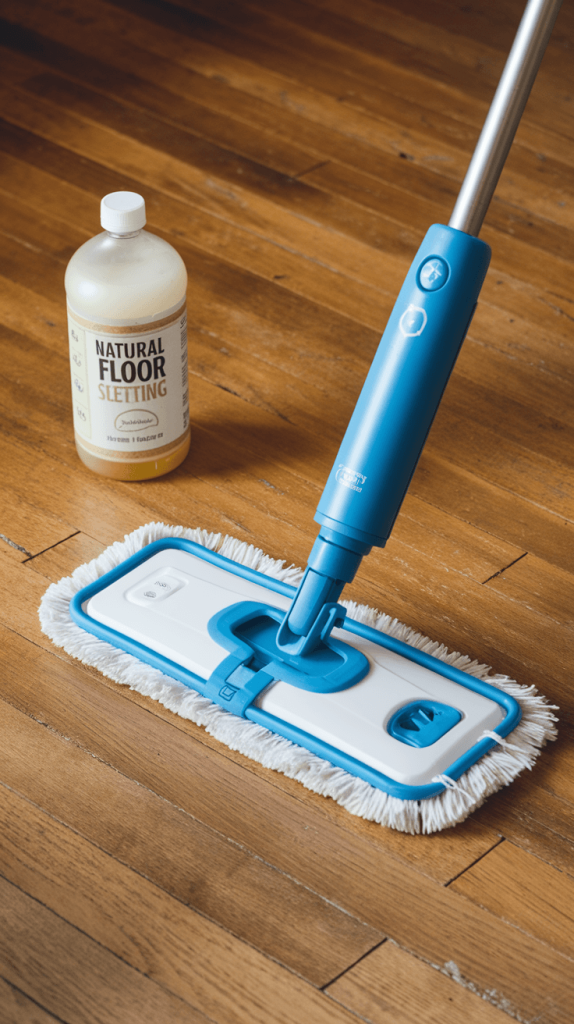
(249, 631)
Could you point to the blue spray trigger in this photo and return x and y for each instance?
(422, 722)
(248, 630)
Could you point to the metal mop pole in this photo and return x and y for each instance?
(504, 115)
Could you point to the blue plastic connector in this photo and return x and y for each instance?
(333, 562)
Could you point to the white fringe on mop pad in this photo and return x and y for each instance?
(496, 769)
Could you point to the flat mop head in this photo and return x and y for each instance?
(381, 719)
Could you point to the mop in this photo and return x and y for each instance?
(269, 660)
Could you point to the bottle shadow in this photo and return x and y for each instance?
(230, 446)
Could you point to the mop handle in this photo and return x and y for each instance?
(504, 115)
(413, 363)
(425, 331)
(404, 386)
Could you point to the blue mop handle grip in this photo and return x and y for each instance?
(403, 389)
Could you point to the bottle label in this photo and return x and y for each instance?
(129, 385)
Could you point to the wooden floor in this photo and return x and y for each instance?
(295, 154)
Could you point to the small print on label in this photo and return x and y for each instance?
(350, 478)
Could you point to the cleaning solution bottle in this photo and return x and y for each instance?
(126, 291)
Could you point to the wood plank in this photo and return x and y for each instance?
(534, 648)
(191, 151)
(315, 851)
(458, 491)
(388, 200)
(478, 555)
(553, 838)
(512, 638)
(431, 533)
(30, 189)
(520, 468)
(519, 888)
(16, 1008)
(322, 104)
(440, 56)
(24, 311)
(63, 558)
(474, 363)
(517, 301)
(87, 139)
(120, 81)
(544, 434)
(8, 547)
(346, 216)
(287, 35)
(557, 355)
(157, 932)
(130, 508)
(47, 484)
(50, 384)
(341, 129)
(389, 986)
(435, 97)
(75, 700)
(457, 35)
(280, 509)
(532, 817)
(28, 530)
(60, 702)
(501, 374)
(485, 27)
(24, 620)
(532, 326)
(360, 67)
(55, 963)
(331, 176)
(31, 268)
(214, 505)
(332, 132)
(544, 587)
(292, 194)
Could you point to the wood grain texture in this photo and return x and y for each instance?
(16, 1008)
(144, 927)
(74, 976)
(305, 843)
(524, 890)
(294, 154)
(389, 986)
(192, 862)
(546, 588)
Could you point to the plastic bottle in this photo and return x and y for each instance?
(126, 291)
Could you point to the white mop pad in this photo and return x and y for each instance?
(496, 769)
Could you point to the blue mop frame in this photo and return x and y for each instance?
(271, 722)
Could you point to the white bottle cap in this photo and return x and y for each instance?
(122, 212)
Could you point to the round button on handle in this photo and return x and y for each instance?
(433, 274)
